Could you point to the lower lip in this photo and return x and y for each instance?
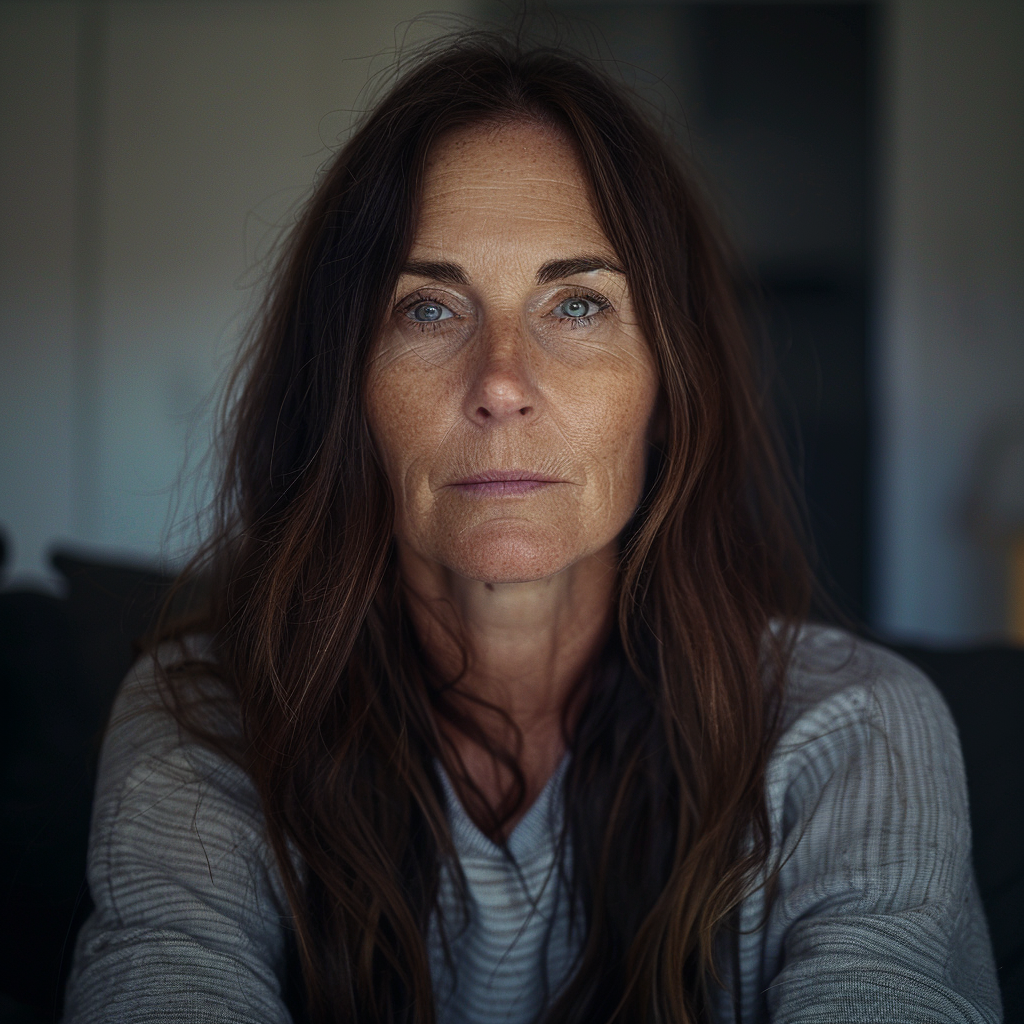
(502, 488)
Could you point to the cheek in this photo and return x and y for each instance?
(386, 407)
(611, 424)
(402, 408)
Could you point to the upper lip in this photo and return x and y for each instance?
(493, 476)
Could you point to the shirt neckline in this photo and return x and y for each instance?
(534, 832)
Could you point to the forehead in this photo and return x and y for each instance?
(520, 186)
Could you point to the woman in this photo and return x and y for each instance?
(503, 708)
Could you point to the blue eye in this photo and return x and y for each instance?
(429, 312)
(577, 308)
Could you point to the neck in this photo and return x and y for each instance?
(522, 648)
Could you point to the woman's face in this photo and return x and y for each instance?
(511, 391)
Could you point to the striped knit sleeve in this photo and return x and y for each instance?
(188, 922)
(877, 916)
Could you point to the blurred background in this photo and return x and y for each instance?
(868, 159)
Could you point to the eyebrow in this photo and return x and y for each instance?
(441, 270)
(553, 270)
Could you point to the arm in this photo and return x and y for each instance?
(878, 916)
(188, 924)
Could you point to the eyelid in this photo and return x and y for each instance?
(586, 291)
(434, 288)
(427, 294)
(577, 292)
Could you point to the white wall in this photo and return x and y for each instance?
(950, 370)
(37, 203)
(207, 124)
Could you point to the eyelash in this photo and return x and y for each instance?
(576, 322)
(573, 323)
(426, 325)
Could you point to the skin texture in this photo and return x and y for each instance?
(485, 369)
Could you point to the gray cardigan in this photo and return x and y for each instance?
(876, 916)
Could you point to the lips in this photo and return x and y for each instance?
(503, 483)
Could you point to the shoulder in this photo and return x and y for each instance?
(844, 693)
(831, 666)
(167, 797)
(874, 909)
(141, 716)
(147, 749)
(866, 785)
(188, 905)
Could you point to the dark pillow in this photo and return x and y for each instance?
(984, 688)
(61, 661)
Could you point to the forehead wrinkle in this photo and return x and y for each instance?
(458, 176)
(435, 190)
(567, 229)
(479, 203)
(500, 178)
(505, 205)
(466, 199)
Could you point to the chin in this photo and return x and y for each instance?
(510, 553)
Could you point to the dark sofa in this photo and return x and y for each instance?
(61, 660)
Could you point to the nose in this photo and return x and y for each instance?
(502, 387)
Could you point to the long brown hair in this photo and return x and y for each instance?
(664, 795)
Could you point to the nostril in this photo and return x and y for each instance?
(483, 413)
(525, 409)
